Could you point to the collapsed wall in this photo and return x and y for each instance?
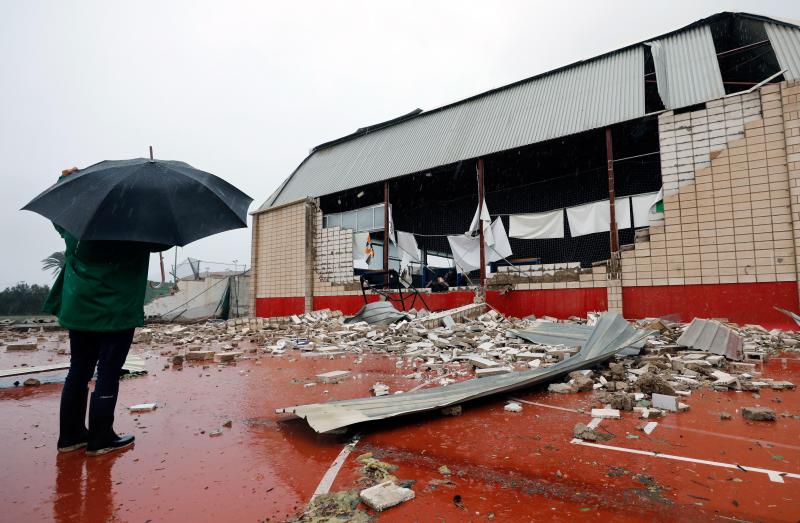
(727, 245)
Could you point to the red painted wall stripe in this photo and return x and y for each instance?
(560, 303)
(272, 307)
(739, 302)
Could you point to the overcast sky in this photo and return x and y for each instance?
(244, 89)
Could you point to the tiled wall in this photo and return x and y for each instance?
(789, 105)
(334, 253)
(726, 198)
(279, 251)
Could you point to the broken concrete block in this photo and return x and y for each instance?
(21, 346)
(199, 355)
(581, 381)
(606, 413)
(226, 357)
(561, 388)
(142, 407)
(455, 410)
(334, 376)
(385, 495)
(494, 371)
(513, 407)
(782, 385)
(758, 414)
(585, 433)
(448, 322)
(379, 389)
(482, 363)
(665, 402)
(723, 378)
(736, 366)
(650, 383)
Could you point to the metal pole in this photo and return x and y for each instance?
(613, 217)
(480, 223)
(386, 234)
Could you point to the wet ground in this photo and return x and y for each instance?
(503, 466)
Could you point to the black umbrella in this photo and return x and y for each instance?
(143, 200)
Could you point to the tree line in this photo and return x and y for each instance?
(23, 298)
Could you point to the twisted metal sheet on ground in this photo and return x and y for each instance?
(712, 336)
(611, 334)
(568, 335)
(378, 313)
(792, 315)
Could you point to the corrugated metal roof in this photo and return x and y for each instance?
(712, 336)
(611, 334)
(586, 95)
(607, 90)
(687, 70)
(785, 41)
(567, 334)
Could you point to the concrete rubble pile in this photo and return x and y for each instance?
(487, 345)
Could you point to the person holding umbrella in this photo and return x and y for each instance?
(111, 216)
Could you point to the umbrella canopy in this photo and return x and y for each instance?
(157, 201)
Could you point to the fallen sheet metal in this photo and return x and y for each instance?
(792, 315)
(611, 334)
(712, 336)
(568, 335)
(378, 313)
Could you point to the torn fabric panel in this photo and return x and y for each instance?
(596, 217)
(407, 243)
(537, 225)
(391, 227)
(466, 251)
(481, 214)
(405, 270)
(501, 247)
(643, 206)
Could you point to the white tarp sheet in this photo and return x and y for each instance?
(501, 248)
(466, 251)
(537, 225)
(642, 206)
(596, 217)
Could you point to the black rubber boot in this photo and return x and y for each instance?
(102, 438)
(110, 445)
(72, 422)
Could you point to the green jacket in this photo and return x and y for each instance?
(102, 285)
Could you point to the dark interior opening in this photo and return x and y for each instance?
(652, 100)
(744, 52)
(541, 177)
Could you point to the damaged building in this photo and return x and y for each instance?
(657, 179)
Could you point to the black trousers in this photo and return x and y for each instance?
(106, 351)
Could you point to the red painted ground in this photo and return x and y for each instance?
(507, 467)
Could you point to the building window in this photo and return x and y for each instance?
(359, 220)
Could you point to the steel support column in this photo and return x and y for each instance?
(610, 159)
(480, 223)
(386, 240)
